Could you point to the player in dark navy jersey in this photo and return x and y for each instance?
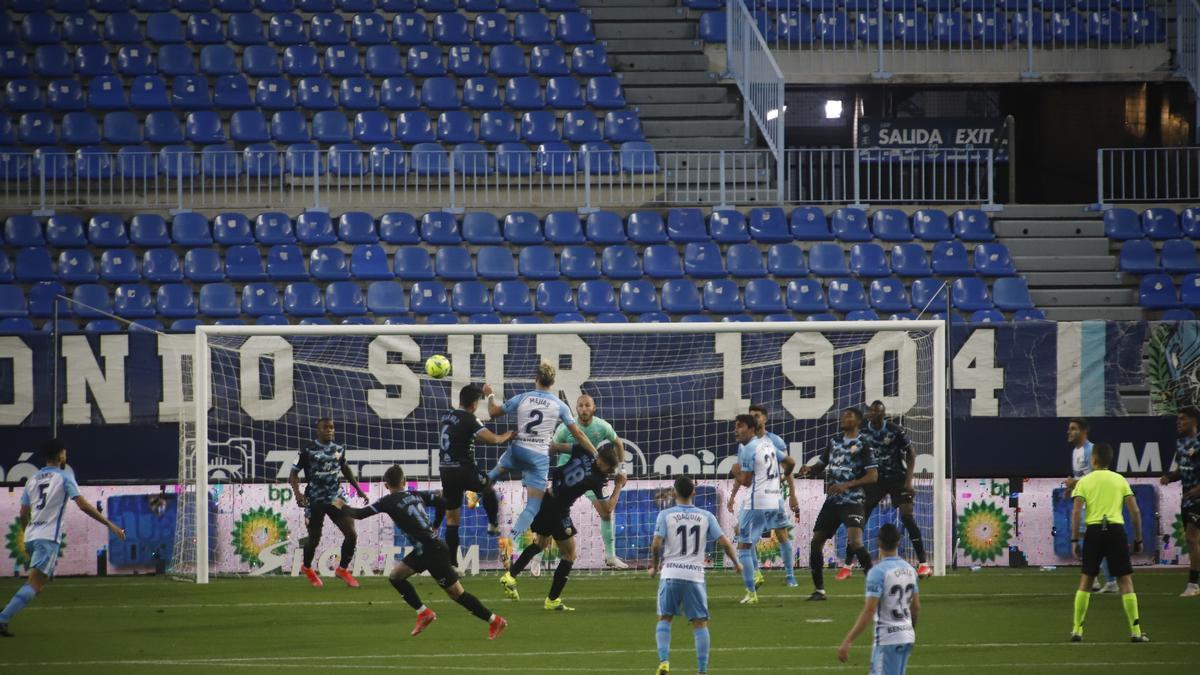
(407, 510)
(324, 465)
(459, 429)
(583, 473)
(1185, 467)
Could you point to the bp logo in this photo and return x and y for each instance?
(1173, 366)
(14, 541)
(768, 550)
(258, 529)
(984, 530)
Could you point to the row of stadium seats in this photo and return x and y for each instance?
(233, 92)
(911, 28)
(371, 261)
(1178, 256)
(1159, 291)
(201, 28)
(236, 6)
(328, 126)
(51, 61)
(1157, 223)
(510, 298)
(913, 5)
(681, 225)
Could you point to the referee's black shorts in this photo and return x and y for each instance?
(1106, 542)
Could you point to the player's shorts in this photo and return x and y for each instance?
(534, 466)
(319, 510)
(1107, 543)
(457, 481)
(894, 489)
(890, 659)
(1190, 513)
(691, 596)
(752, 522)
(833, 516)
(434, 558)
(43, 555)
(553, 521)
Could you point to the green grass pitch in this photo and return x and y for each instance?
(1000, 621)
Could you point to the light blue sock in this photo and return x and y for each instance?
(662, 637)
(746, 556)
(701, 635)
(526, 518)
(22, 597)
(754, 555)
(789, 559)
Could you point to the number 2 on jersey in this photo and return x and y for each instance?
(535, 419)
(683, 531)
(772, 466)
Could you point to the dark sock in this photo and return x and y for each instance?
(348, 546)
(560, 578)
(815, 565)
(407, 592)
(914, 536)
(523, 561)
(491, 506)
(849, 557)
(864, 557)
(1194, 576)
(452, 543)
(474, 606)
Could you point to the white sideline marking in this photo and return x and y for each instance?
(818, 620)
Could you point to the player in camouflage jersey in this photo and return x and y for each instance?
(598, 431)
(1186, 468)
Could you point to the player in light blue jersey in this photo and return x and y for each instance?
(538, 412)
(893, 599)
(682, 535)
(760, 469)
(1081, 465)
(43, 504)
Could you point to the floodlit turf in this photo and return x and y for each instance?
(972, 622)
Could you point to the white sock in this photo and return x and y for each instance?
(422, 610)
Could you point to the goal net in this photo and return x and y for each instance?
(670, 391)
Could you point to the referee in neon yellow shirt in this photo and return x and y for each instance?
(1103, 493)
(598, 431)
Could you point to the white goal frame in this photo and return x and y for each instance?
(201, 390)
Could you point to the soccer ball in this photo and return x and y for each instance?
(437, 366)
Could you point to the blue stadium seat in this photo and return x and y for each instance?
(703, 260)
(122, 128)
(203, 265)
(164, 28)
(850, 224)
(862, 314)
(1039, 315)
(76, 266)
(440, 228)
(243, 263)
(512, 298)
(728, 227)
(1178, 256)
(345, 298)
(40, 28)
(190, 229)
(570, 317)
(638, 157)
(451, 29)
(285, 262)
(386, 297)
(929, 294)
(685, 225)
(590, 60)
(604, 91)
(661, 261)
(134, 60)
(274, 227)
(1145, 26)
(622, 126)
(426, 61)
(808, 223)
(428, 297)
(1122, 224)
(176, 301)
(54, 61)
(301, 61)
(23, 95)
(91, 301)
(507, 60)
(409, 28)
(123, 28)
(246, 29)
(8, 133)
(524, 93)
(847, 295)
(315, 228)
(384, 61)
(745, 261)
(119, 266)
(564, 93)
(1011, 294)
(467, 61)
(286, 29)
(148, 92)
(764, 296)
(303, 298)
(889, 295)
(249, 126)
(43, 298)
(564, 228)
(232, 92)
(539, 127)
(261, 299)
(327, 28)
(107, 92)
(205, 28)
(190, 92)
(107, 231)
(869, 260)
(64, 95)
(1157, 291)
(827, 260)
(481, 93)
(93, 60)
(909, 260)
(342, 61)
(713, 26)
(597, 297)
(993, 260)
(330, 126)
(574, 28)
(555, 297)
(548, 61)
(481, 228)
(1139, 257)
(891, 225)
(932, 225)
(372, 127)
(470, 297)
(949, 259)
(148, 230)
(37, 128)
(537, 263)
(532, 28)
(134, 301)
(430, 159)
(1189, 291)
(218, 60)
(680, 296)
(786, 261)
(972, 225)
(1160, 224)
(315, 93)
(456, 126)
(769, 225)
(440, 93)
(621, 262)
(161, 265)
(605, 227)
(495, 263)
(204, 127)
(970, 294)
(413, 263)
(638, 297)
(579, 262)
(523, 228)
(93, 162)
(62, 231)
(289, 126)
(396, 227)
(722, 296)
(453, 263)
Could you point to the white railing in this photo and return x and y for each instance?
(931, 35)
(473, 179)
(875, 176)
(1187, 41)
(1147, 175)
(751, 65)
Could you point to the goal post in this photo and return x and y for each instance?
(670, 390)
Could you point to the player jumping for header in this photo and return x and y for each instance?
(849, 466)
(322, 463)
(759, 468)
(582, 473)
(538, 413)
(459, 431)
(1186, 467)
(407, 510)
(43, 502)
(599, 431)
